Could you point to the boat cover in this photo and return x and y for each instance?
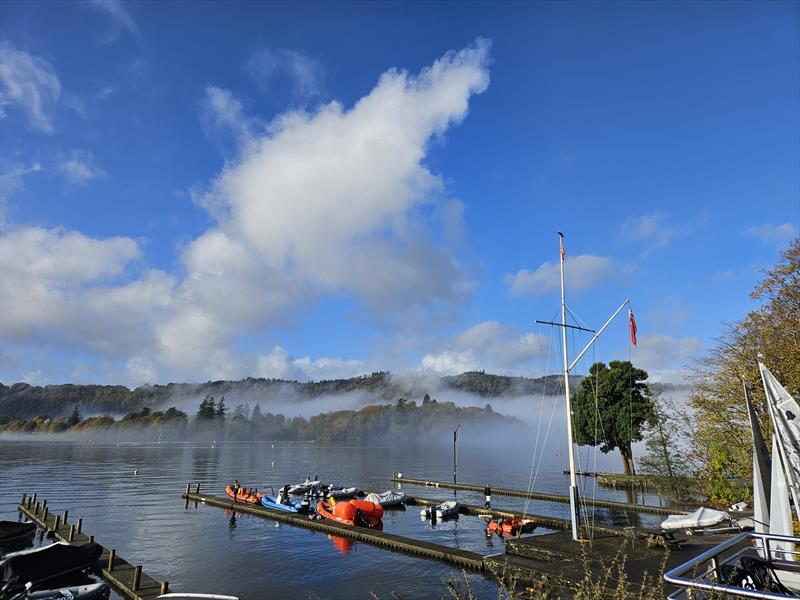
(11, 530)
(702, 517)
(47, 562)
(388, 498)
(447, 509)
(92, 591)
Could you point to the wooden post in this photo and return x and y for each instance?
(44, 503)
(112, 554)
(44, 513)
(164, 587)
(91, 539)
(71, 533)
(34, 498)
(66, 514)
(80, 524)
(22, 502)
(36, 511)
(137, 575)
(58, 523)
(197, 489)
(188, 488)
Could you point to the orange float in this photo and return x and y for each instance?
(510, 526)
(354, 513)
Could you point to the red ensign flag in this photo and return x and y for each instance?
(563, 252)
(633, 325)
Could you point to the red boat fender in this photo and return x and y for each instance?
(368, 509)
(344, 510)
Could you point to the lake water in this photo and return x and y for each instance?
(206, 549)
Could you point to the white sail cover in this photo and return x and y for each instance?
(761, 471)
(388, 498)
(702, 517)
(786, 425)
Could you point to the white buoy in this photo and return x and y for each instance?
(273, 463)
(136, 471)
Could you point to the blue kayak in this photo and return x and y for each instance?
(270, 502)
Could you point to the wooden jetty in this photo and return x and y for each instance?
(126, 579)
(498, 491)
(461, 558)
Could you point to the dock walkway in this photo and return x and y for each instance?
(499, 491)
(126, 579)
(461, 558)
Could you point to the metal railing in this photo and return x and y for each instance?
(702, 573)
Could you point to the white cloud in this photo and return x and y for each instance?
(322, 202)
(79, 167)
(773, 234)
(650, 228)
(278, 364)
(305, 72)
(490, 346)
(664, 357)
(12, 178)
(61, 287)
(580, 273)
(222, 111)
(29, 83)
(120, 19)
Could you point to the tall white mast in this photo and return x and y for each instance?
(573, 483)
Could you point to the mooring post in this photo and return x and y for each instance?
(188, 488)
(197, 488)
(164, 587)
(44, 503)
(112, 554)
(66, 514)
(22, 502)
(91, 539)
(44, 513)
(80, 524)
(34, 498)
(71, 533)
(57, 523)
(36, 511)
(137, 575)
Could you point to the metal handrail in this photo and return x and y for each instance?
(677, 577)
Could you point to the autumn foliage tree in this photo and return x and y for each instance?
(770, 333)
(610, 407)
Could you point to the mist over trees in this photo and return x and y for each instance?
(405, 421)
(25, 401)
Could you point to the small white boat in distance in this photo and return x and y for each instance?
(341, 492)
(306, 486)
(388, 498)
(443, 510)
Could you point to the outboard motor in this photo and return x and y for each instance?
(305, 505)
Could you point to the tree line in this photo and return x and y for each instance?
(404, 421)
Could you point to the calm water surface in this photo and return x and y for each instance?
(206, 549)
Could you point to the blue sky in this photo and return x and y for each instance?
(214, 190)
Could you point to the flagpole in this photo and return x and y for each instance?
(573, 483)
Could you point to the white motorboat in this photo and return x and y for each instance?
(443, 510)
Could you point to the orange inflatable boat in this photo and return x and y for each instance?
(353, 512)
(510, 526)
(244, 496)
